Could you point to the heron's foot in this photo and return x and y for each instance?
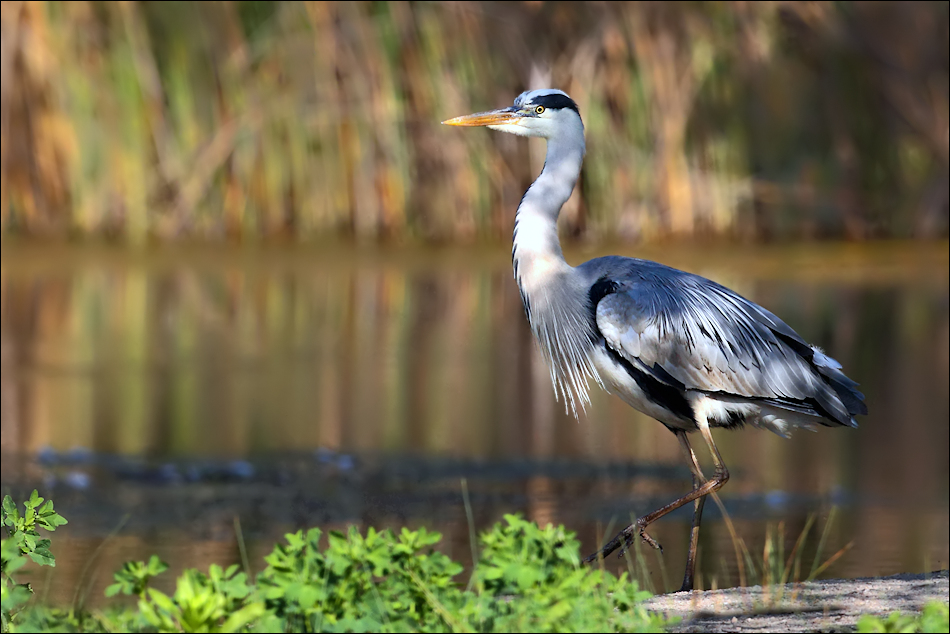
(623, 541)
(642, 529)
(649, 541)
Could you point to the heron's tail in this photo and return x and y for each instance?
(841, 397)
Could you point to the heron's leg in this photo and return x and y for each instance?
(721, 476)
(698, 503)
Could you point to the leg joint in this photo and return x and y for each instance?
(722, 475)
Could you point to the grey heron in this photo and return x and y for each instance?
(678, 347)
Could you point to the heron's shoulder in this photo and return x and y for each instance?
(636, 276)
(632, 270)
(658, 289)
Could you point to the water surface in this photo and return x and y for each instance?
(158, 397)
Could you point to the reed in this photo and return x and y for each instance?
(312, 121)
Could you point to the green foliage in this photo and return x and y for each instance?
(934, 618)
(24, 540)
(527, 579)
(41, 618)
(511, 554)
(532, 579)
(378, 582)
(217, 602)
(23, 528)
(135, 576)
(12, 595)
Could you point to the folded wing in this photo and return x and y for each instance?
(691, 333)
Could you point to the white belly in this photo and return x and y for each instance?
(617, 381)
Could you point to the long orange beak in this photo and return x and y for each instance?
(495, 117)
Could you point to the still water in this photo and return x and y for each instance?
(171, 400)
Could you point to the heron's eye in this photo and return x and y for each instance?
(539, 109)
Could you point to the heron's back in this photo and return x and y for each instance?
(676, 334)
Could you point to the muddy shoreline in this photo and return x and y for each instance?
(819, 606)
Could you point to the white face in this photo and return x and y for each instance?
(537, 113)
(531, 121)
(533, 117)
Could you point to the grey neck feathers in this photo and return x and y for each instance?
(554, 295)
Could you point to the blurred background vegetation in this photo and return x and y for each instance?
(141, 121)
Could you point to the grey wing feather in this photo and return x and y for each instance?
(692, 333)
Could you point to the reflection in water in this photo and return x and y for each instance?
(300, 388)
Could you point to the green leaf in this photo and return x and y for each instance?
(162, 620)
(935, 617)
(9, 507)
(43, 557)
(243, 617)
(156, 566)
(162, 600)
(525, 575)
(270, 622)
(12, 564)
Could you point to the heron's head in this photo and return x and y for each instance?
(546, 113)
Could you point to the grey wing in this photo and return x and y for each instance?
(694, 334)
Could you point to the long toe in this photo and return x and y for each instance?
(649, 540)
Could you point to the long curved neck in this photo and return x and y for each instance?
(536, 248)
(554, 296)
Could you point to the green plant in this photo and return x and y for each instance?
(526, 578)
(23, 528)
(378, 582)
(775, 569)
(935, 617)
(135, 577)
(12, 595)
(24, 540)
(531, 579)
(220, 601)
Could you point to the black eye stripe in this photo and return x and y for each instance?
(555, 101)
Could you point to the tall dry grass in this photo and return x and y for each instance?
(307, 121)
